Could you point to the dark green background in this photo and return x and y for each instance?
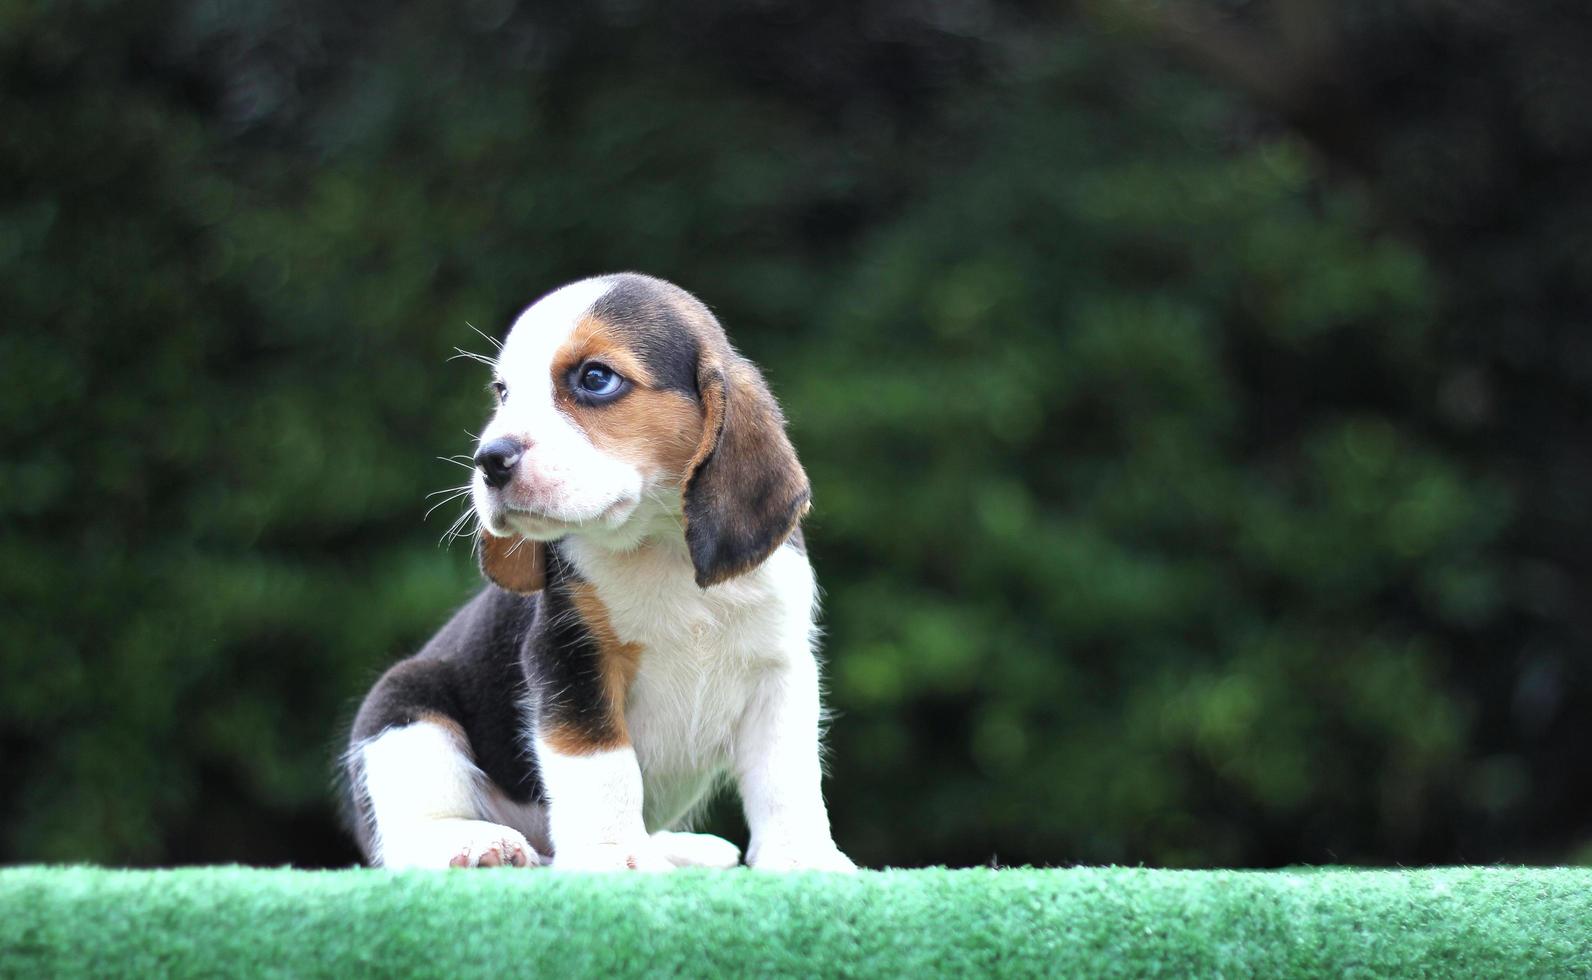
(1196, 397)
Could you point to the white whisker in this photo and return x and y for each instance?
(458, 528)
(457, 521)
(454, 495)
(489, 339)
(470, 355)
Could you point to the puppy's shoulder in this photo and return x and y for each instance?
(494, 622)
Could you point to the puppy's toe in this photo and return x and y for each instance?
(508, 850)
(459, 844)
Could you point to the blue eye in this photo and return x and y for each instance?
(599, 379)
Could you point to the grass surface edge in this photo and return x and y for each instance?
(1077, 921)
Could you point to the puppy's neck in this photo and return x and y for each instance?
(653, 538)
(659, 558)
(649, 555)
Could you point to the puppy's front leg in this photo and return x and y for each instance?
(594, 806)
(776, 762)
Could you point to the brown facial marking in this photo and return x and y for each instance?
(595, 339)
(656, 430)
(617, 662)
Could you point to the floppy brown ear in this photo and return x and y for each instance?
(516, 564)
(745, 492)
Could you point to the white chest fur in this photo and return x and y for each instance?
(704, 654)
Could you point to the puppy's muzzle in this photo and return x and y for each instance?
(497, 461)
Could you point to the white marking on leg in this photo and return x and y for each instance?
(780, 776)
(425, 803)
(594, 810)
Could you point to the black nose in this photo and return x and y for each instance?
(497, 460)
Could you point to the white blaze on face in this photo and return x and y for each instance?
(563, 478)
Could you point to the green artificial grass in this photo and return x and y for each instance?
(1482, 922)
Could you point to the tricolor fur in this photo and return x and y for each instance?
(648, 630)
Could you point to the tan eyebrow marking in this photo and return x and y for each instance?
(655, 429)
(594, 339)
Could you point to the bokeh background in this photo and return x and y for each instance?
(1196, 396)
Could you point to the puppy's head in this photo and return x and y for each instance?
(623, 413)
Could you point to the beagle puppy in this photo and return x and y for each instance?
(647, 633)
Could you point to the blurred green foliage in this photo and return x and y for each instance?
(1141, 537)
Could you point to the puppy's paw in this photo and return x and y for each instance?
(808, 855)
(640, 854)
(696, 850)
(458, 844)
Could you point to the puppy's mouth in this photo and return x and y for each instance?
(507, 521)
